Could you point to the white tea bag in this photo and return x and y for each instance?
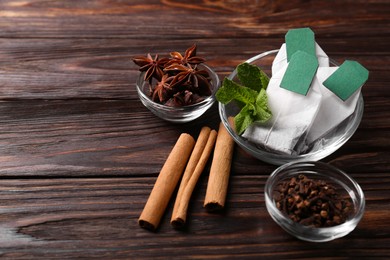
(333, 110)
(281, 58)
(293, 114)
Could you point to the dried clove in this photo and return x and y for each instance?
(312, 202)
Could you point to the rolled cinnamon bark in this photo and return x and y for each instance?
(166, 182)
(220, 171)
(199, 157)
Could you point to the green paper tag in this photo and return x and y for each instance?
(301, 39)
(300, 72)
(348, 78)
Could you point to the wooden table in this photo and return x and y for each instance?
(79, 153)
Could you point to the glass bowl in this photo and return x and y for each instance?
(178, 114)
(319, 150)
(345, 186)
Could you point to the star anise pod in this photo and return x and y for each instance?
(196, 80)
(188, 58)
(153, 67)
(162, 89)
(184, 98)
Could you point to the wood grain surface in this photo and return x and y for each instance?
(79, 153)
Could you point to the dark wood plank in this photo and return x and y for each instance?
(85, 68)
(121, 137)
(81, 137)
(47, 218)
(179, 19)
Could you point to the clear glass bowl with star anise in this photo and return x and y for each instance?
(179, 88)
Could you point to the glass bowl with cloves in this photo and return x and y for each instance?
(314, 201)
(178, 88)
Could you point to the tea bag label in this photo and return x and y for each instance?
(300, 72)
(301, 39)
(348, 78)
(281, 58)
(332, 111)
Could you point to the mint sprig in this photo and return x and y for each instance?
(251, 96)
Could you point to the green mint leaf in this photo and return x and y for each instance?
(251, 76)
(251, 97)
(243, 119)
(264, 79)
(230, 90)
(262, 111)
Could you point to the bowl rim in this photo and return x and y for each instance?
(359, 200)
(140, 82)
(279, 159)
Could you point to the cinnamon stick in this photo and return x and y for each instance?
(220, 170)
(199, 157)
(166, 182)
